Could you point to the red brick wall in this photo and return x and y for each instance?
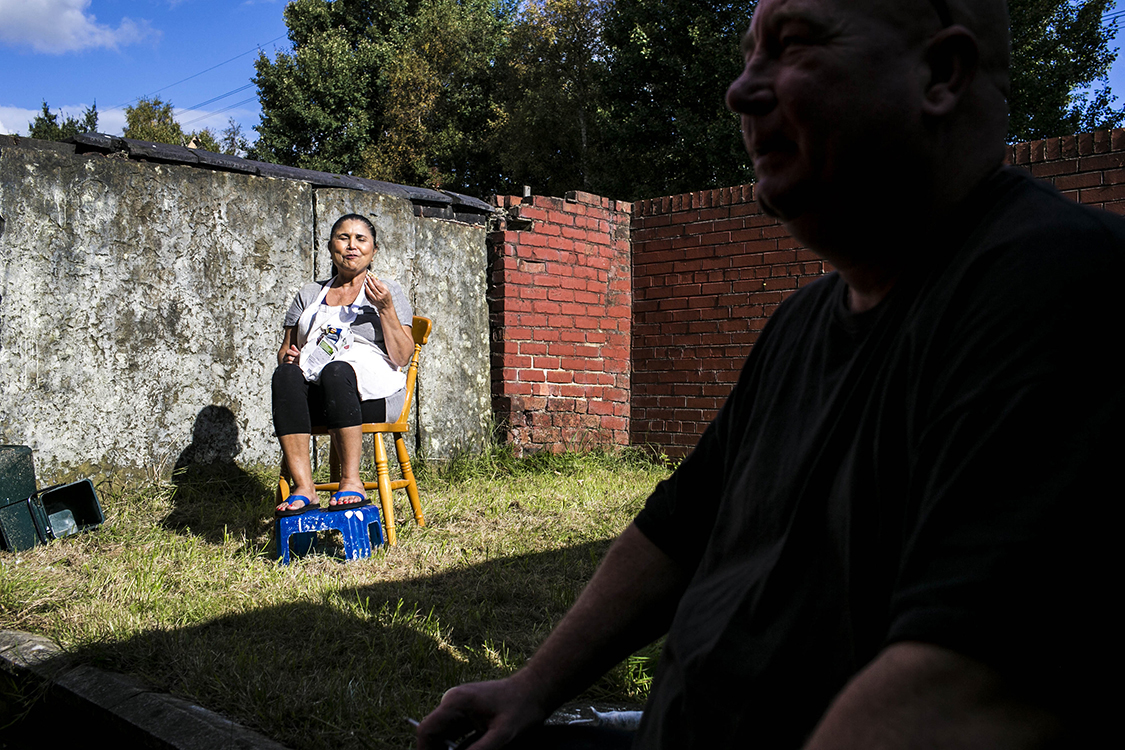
(560, 307)
(708, 269)
(1090, 167)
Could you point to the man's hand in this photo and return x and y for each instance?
(627, 604)
(496, 711)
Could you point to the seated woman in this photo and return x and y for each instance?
(339, 364)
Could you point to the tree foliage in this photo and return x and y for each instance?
(1060, 60)
(47, 126)
(323, 103)
(439, 93)
(231, 139)
(618, 97)
(551, 126)
(154, 120)
(671, 62)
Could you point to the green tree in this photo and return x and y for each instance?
(1060, 60)
(46, 126)
(205, 140)
(550, 125)
(231, 139)
(322, 103)
(619, 97)
(670, 62)
(439, 109)
(153, 120)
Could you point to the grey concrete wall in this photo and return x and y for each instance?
(450, 280)
(141, 304)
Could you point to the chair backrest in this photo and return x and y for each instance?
(420, 327)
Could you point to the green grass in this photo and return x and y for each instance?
(179, 587)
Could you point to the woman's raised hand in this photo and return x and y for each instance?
(378, 293)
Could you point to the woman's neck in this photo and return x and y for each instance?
(350, 281)
(345, 291)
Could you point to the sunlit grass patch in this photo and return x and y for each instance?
(179, 587)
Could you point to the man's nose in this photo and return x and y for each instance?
(751, 93)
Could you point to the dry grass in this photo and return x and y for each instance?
(179, 587)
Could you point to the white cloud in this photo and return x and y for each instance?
(58, 26)
(14, 120)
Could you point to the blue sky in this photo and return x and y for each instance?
(73, 52)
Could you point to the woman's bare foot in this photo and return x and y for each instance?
(339, 500)
(296, 499)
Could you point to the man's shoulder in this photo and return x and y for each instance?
(1032, 241)
(1033, 214)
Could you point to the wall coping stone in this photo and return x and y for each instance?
(440, 204)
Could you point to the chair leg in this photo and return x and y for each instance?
(408, 475)
(283, 480)
(385, 498)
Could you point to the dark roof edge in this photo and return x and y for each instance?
(427, 202)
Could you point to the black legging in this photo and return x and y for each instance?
(333, 402)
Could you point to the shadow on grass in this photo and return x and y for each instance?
(346, 671)
(215, 497)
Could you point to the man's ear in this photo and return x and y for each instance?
(953, 58)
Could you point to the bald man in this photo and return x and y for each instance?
(894, 533)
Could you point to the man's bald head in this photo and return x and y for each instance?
(986, 19)
(898, 105)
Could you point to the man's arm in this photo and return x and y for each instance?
(917, 695)
(628, 603)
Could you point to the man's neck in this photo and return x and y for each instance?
(868, 285)
(871, 254)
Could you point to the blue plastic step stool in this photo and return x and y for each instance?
(361, 528)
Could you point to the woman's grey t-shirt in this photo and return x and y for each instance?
(367, 324)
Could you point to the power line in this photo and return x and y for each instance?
(217, 98)
(195, 75)
(218, 111)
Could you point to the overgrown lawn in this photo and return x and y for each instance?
(179, 587)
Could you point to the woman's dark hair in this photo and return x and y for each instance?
(353, 217)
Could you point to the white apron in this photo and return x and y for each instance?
(376, 375)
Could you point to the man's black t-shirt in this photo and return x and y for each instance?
(939, 468)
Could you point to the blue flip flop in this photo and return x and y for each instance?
(348, 506)
(309, 505)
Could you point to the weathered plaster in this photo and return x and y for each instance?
(450, 275)
(134, 295)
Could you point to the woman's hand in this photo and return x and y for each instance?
(289, 354)
(378, 293)
(396, 336)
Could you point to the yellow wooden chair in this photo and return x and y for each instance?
(421, 328)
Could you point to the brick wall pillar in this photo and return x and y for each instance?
(560, 314)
